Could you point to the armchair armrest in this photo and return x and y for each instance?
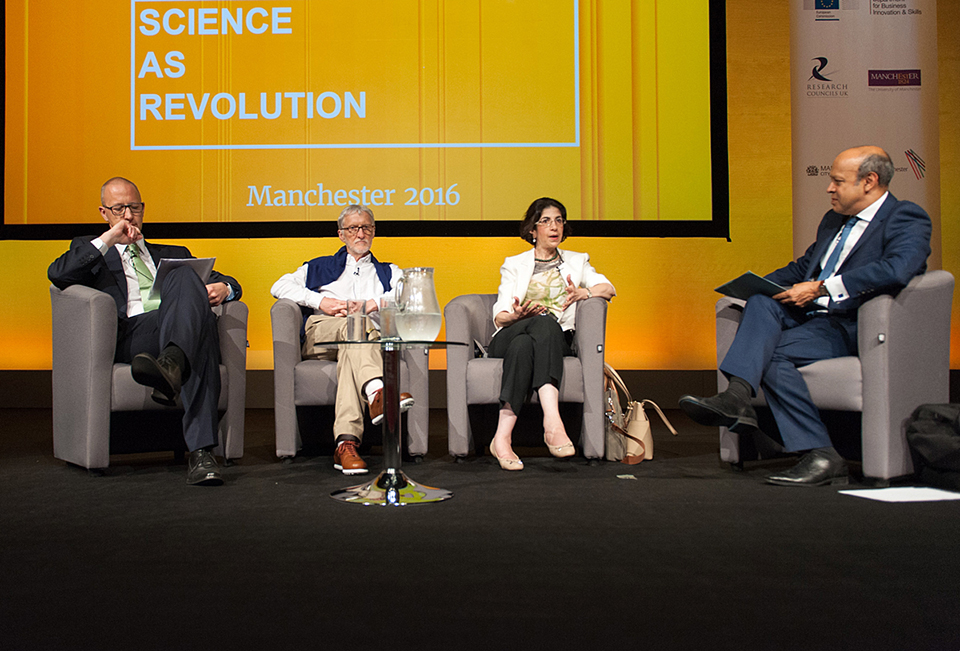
(467, 318)
(232, 329)
(904, 344)
(285, 318)
(84, 345)
(729, 313)
(591, 328)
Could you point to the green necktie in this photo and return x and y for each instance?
(144, 277)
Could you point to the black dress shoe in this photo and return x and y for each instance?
(721, 410)
(816, 468)
(163, 374)
(202, 469)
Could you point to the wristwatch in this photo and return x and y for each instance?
(821, 290)
(589, 293)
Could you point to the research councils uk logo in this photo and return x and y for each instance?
(822, 82)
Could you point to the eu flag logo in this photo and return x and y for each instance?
(828, 4)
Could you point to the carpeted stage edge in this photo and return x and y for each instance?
(687, 554)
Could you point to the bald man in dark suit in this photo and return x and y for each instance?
(870, 243)
(172, 346)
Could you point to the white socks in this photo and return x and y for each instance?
(372, 387)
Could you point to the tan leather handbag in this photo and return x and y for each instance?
(628, 436)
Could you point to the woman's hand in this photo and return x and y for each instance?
(574, 293)
(520, 311)
(526, 309)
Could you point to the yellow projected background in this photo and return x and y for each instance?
(663, 316)
(285, 110)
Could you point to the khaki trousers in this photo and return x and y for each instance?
(356, 365)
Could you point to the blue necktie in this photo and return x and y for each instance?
(830, 266)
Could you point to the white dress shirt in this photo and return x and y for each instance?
(834, 284)
(359, 280)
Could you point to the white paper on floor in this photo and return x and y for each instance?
(904, 494)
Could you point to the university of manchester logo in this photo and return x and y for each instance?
(893, 77)
(919, 167)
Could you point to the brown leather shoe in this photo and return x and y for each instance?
(347, 460)
(376, 405)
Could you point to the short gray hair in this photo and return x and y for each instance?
(354, 209)
(879, 164)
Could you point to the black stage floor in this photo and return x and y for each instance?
(682, 554)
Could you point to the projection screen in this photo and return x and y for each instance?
(261, 118)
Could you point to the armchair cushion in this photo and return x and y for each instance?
(127, 395)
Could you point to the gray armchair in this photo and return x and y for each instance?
(473, 381)
(299, 382)
(904, 361)
(91, 393)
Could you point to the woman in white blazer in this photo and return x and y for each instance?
(535, 314)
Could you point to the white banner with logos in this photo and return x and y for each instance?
(864, 72)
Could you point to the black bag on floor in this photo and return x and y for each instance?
(933, 434)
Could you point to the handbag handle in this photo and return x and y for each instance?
(611, 373)
(662, 416)
(618, 382)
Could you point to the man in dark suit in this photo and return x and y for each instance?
(869, 243)
(171, 344)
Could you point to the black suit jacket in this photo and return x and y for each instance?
(892, 250)
(82, 264)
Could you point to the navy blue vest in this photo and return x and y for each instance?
(326, 269)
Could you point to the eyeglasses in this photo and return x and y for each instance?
(546, 221)
(353, 230)
(118, 210)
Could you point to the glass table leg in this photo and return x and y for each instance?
(391, 487)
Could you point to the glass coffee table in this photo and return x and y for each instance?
(392, 487)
